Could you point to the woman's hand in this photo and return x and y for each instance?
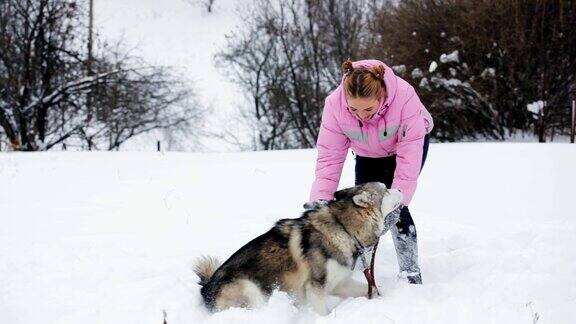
(311, 205)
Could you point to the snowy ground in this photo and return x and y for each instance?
(94, 237)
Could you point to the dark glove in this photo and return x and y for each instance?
(315, 204)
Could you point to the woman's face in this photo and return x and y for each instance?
(364, 108)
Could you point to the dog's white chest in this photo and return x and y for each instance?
(335, 273)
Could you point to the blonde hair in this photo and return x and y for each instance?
(363, 82)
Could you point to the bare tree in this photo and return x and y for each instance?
(207, 4)
(37, 70)
(43, 83)
(3, 142)
(137, 101)
(288, 58)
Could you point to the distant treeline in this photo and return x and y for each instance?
(485, 69)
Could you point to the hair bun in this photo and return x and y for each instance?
(347, 67)
(378, 71)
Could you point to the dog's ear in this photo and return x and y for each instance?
(363, 199)
(340, 194)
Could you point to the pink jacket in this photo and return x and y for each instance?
(398, 127)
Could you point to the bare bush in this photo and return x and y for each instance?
(47, 96)
(511, 53)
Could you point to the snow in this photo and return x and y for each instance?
(452, 82)
(433, 66)
(452, 57)
(454, 102)
(535, 107)
(109, 237)
(416, 73)
(488, 72)
(399, 69)
(423, 83)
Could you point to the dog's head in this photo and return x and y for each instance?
(373, 196)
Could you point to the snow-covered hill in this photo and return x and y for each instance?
(94, 237)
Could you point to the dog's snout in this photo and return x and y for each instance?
(396, 194)
(382, 186)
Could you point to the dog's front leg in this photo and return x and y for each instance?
(349, 287)
(316, 297)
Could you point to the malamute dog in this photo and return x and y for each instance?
(307, 257)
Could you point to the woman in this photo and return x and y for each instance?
(381, 118)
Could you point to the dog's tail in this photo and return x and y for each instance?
(205, 267)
